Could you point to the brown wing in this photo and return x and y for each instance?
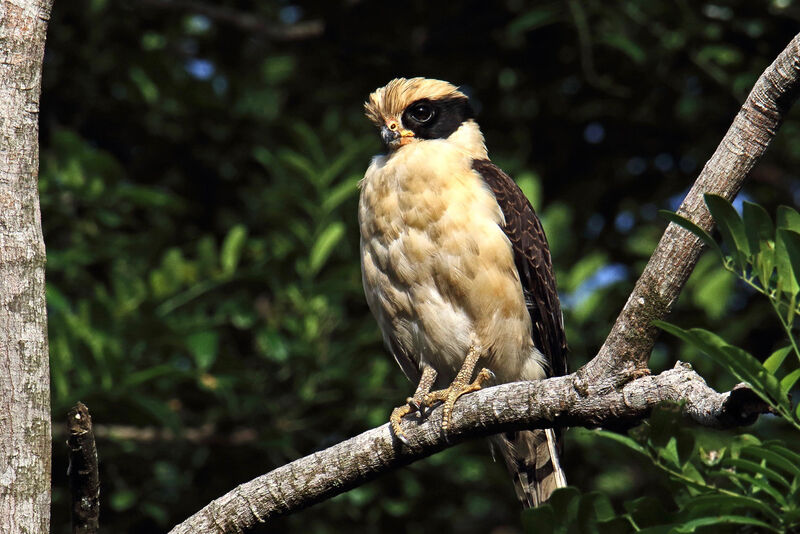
(532, 259)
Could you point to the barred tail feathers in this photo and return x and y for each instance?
(532, 458)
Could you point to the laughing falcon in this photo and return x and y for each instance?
(456, 268)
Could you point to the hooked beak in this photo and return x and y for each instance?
(394, 135)
(389, 137)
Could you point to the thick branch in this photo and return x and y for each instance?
(600, 393)
(539, 404)
(627, 348)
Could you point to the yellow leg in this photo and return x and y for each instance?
(412, 404)
(460, 386)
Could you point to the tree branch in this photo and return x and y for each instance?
(515, 406)
(600, 393)
(627, 348)
(245, 21)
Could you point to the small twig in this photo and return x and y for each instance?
(84, 481)
(245, 21)
(205, 434)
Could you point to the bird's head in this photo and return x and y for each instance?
(410, 110)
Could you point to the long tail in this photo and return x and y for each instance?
(532, 460)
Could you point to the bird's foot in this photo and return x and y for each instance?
(412, 405)
(450, 395)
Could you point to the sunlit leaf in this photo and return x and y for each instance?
(324, 245)
(777, 358)
(788, 381)
(340, 193)
(231, 250)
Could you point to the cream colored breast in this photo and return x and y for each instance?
(438, 271)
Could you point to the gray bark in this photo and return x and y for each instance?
(515, 406)
(604, 392)
(24, 369)
(84, 477)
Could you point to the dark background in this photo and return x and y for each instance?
(198, 183)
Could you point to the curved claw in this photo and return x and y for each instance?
(450, 395)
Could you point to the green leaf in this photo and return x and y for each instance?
(777, 358)
(601, 505)
(761, 236)
(757, 225)
(740, 363)
(788, 257)
(629, 47)
(340, 193)
(539, 520)
(232, 247)
(693, 228)
(324, 245)
(743, 464)
(123, 500)
(694, 524)
(775, 457)
(311, 144)
(731, 227)
(719, 502)
(298, 163)
(204, 346)
(624, 440)
(760, 484)
(565, 503)
(669, 452)
(788, 218)
(788, 381)
(338, 165)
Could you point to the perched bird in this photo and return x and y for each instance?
(456, 268)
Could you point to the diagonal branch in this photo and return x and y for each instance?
(627, 348)
(600, 393)
(538, 404)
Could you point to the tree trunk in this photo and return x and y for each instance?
(24, 367)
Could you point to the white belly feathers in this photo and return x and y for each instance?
(438, 271)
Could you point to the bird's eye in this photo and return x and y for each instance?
(421, 112)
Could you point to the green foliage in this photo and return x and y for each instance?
(199, 184)
(717, 480)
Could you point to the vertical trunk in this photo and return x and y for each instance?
(24, 369)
